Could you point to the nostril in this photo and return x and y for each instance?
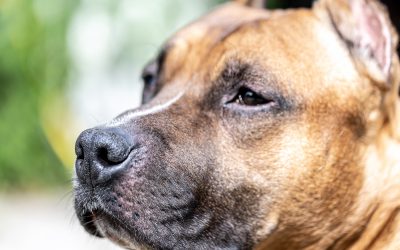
(105, 157)
(102, 156)
(79, 152)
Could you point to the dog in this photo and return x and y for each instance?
(258, 130)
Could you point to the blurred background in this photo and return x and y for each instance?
(67, 65)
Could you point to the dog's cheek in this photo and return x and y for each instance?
(322, 185)
(308, 176)
(261, 155)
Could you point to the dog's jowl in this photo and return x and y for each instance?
(258, 130)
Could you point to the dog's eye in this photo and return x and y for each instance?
(149, 75)
(149, 79)
(249, 98)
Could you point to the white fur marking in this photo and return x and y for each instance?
(153, 110)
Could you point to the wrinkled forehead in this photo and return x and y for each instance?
(291, 45)
(193, 46)
(219, 23)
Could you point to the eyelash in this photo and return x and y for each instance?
(248, 97)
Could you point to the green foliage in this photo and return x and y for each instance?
(33, 65)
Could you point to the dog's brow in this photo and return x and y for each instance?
(233, 72)
(234, 69)
(237, 73)
(158, 62)
(161, 57)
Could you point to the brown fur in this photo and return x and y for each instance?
(321, 173)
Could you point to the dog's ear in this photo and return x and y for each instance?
(365, 27)
(253, 3)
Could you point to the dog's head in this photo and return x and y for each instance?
(254, 129)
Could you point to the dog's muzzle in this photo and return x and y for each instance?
(103, 154)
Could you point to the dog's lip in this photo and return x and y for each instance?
(92, 221)
(88, 220)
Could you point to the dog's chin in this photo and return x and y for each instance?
(88, 220)
(103, 220)
(116, 231)
(100, 224)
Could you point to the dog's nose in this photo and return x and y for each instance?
(101, 154)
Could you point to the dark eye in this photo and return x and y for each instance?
(149, 79)
(149, 75)
(249, 98)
